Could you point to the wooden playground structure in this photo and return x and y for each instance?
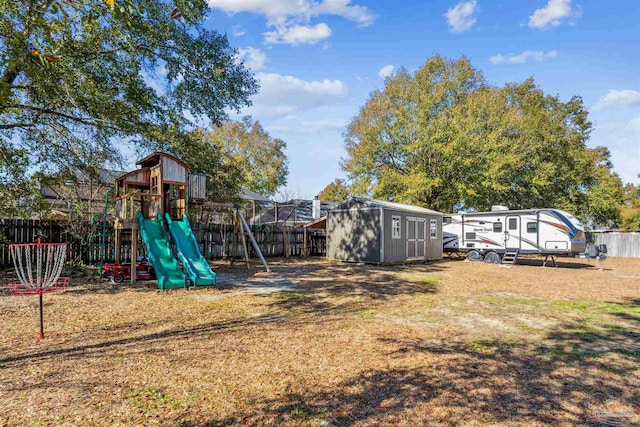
(163, 186)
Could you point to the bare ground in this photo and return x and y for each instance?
(318, 343)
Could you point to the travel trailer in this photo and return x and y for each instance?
(501, 235)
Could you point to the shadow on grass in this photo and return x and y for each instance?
(344, 288)
(575, 375)
(538, 261)
(561, 262)
(332, 297)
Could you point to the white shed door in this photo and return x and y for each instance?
(416, 242)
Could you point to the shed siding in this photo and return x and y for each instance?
(434, 246)
(173, 171)
(354, 235)
(395, 250)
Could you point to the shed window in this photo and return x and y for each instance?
(433, 229)
(497, 227)
(532, 227)
(396, 231)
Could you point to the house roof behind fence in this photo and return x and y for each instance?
(253, 196)
(293, 211)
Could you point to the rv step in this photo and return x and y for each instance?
(510, 256)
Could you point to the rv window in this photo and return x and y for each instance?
(513, 223)
(433, 229)
(395, 227)
(497, 227)
(446, 220)
(470, 236)
(532, 227)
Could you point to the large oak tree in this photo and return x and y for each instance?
(77, 75)
(444, 138)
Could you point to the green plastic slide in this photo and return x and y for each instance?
(166, 266)
(194, 263)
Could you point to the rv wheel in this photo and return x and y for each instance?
(493, 258)
(474, 255)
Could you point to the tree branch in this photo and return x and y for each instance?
(17, 125)
(92, 122)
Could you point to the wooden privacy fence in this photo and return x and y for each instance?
(620, 244)
(215, 240)
(29, 230)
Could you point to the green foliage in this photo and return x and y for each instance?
(19, 194)
(259, 157)
(77, 75)
(605, 198)
(630, 210)
(204, 155)
(337, 191)
(235, 155)
(443, 138)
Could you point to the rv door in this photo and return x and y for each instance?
(512, 232)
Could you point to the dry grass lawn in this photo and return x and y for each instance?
(450, 343)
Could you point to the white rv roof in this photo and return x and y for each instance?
(507, 212)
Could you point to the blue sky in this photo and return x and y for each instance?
(318, 61)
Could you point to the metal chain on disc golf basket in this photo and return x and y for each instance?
(49, 280)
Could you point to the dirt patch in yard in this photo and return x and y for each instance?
(318, 343)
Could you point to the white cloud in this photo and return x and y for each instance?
(298, 34)
(552, 14)
(280, 95)
(276, 10)
(253, 58)
(238, 31)
(618, 99)
(537, 55)
(322, 125)
(291, 18)
(460, 17)
(386, 71)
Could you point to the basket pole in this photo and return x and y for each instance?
(41, 316)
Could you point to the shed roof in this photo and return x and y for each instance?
(320, 223)
(386, 205)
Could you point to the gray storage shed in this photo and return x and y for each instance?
(373, 231)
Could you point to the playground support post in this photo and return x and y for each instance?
(253, 240)
(242, 233)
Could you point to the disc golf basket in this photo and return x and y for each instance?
(38, 267)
